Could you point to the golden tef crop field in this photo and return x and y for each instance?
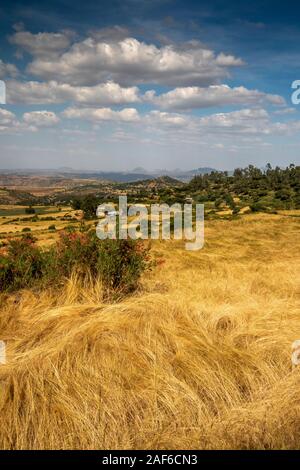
(199, 358)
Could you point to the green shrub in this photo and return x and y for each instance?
(48, 218)
(22, 266)
(26, 229)
(29, 210)
(88, 205)
(257, 207)
(118, 263)
(52, 227)
(76, 250)
(71, 228)
(121, 262)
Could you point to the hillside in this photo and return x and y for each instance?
(161, 182)
(13, 196)
(249, 188)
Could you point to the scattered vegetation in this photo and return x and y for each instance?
(29, 210)
(265, 190)
(87, 204)
(261, 190)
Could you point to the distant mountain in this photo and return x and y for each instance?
(140, 170)
(66, 169)
(186, 176)
(120, 177)
(182, 175)
(137, 174)
(168, 180)
(160, 182)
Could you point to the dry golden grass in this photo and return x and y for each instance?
(199, 358)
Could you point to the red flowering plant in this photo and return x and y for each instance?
(121, 263)
(75, 250)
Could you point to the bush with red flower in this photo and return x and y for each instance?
(118, 263)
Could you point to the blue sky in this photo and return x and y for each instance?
(112, 85)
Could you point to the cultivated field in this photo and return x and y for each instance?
(44, 225)
(199, 358)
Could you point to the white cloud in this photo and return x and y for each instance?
(41, 118)
(103, 94)
(225, 60)
(102, 114)
(6, 117)
(42, 44)
(159, 118)
(284, 111)
(129, 61)
(7, 70)
(245, 123)
(252, 122)
(95, 75)
(9, 124)
(215, 95)
(115, 33)
(242, 121)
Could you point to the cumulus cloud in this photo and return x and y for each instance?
(252, 122)
(41, 119)
(95, 74)
(6, 117)
(42, 44)
(159, 118)
(126, 61)
(115, 33)
(284, 111)
(102, 114)
(7, 70)
(31, 121)
(214, 95)
(103, 94)
(110, 93)
(247, 121)
(243, 121)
